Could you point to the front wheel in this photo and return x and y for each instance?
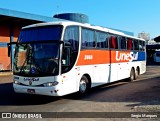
(83, 85)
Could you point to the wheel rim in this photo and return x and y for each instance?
(83, 86)
(136, 74)
(132, 75)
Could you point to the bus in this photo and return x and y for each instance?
(60, 58)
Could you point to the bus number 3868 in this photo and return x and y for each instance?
(88, 57)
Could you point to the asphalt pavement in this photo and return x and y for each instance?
(140, 95)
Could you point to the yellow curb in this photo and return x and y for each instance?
(6, 73)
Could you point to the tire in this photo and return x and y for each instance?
(132, 75)
(136, 74)
(83, 85)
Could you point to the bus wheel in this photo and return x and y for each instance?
(136, 74)
(84, 85)
(132, 75)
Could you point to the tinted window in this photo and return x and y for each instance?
(129, 44)
(71, 36)
(88, 39)
(102, 40)
(69, 55)
(122, 43)
(41, 34)
(141, 45)
(113, 42)
(136, 45)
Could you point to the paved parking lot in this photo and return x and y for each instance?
(140, 95)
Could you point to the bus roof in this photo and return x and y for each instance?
(67, 23)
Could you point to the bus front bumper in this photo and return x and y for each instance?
(49, 91)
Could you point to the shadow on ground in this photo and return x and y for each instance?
(9, 97)
(140, 93)
(143, 92)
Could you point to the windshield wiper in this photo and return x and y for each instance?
(22, 69)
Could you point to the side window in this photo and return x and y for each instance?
(88, 38)
(102, 40)
(129, 44)
(141, 45)
(71, 36)
(70, 49)
(136, 45)
(122, 43)
(113, 42)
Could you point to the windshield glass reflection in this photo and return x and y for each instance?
(36, 59)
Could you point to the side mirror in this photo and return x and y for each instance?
(63, 62)
(67, 44)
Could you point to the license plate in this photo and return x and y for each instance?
(31, 91)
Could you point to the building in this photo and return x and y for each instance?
(11, 23)
(10, 26)
(144, 35)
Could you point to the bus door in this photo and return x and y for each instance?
(101, 70)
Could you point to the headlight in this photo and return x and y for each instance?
(16, 82)
(49, 84)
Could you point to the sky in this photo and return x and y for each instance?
(130, 15)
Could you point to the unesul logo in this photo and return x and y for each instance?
(120, 56)
(31, 79)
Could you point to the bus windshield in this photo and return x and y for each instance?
(50, 33)
(37, 52)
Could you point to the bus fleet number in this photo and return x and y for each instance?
(88, 57)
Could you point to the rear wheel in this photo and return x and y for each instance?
(83, 85)
(132, 75)
(136, 74)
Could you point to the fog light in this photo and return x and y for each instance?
(49, 84)
(16, 82)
